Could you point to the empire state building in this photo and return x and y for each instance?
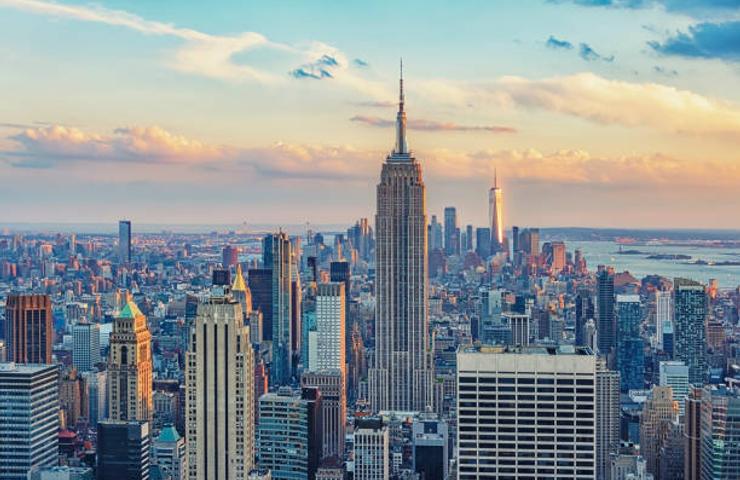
(401, 377)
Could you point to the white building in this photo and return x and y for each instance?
(330, 327)
(663, 315)
(526, 412)
(372, 450)
(675, 374)
(219, 399)
(29, 418)
(85, 346)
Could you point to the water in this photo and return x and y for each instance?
(597, 253)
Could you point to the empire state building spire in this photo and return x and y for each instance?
(401, 147)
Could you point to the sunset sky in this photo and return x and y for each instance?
(621, 113)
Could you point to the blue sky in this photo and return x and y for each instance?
(209, 112)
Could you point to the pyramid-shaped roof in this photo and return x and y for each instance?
(130, 310)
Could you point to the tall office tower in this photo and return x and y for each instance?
(430, 441)
(276, 256)
(29, 418)
(497, 389)
(333, 408)
(28, 328)
(659, 412)
(241, 293)
(557, 260)
(436, 238)
(516, 244)
(689, 313)
(469, 238)
(130, 367)
(330, 327)
(219, 404)
(519, 325)
(229, 256)
(123, 450)
(342, 272)
(675, 374)
(289, 433)
(97, 395)
(584, 313)
(483, 242)
(401, 378)
(663, 315)
(720, 433)
(606, 324)
(496, 215)
(452, 231)
(361, 236)
(529, 241)
(168, 453)
(296, 319)
(607, 418)
(372, 450)
(260, 284)
(85, 346)
(124, 241)
(630, 346)
(692, 434)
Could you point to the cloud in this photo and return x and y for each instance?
(589, 54)
(694, 7)
(376, 104)
(668, 72)
(704, 40)
(557, 44)
(318, 69)
(616, 102)
(358, 62)
(432, 126)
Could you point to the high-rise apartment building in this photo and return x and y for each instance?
(675, 374)
(342, 272)
(401, 377)
(123, 450)
(372, 450)
(85, 346)
(527, 412)
(330, 327)
(496, 215)
(689, 315)
(130, 367)
(277, 257)
(630, 354)
(606, 324)
(663, 315)
(28, 329)
(29, 418)
(452, 232)
(219, 399)
(124, 241)
(331, 384)
(607, 418)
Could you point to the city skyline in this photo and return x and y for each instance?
(172, 116)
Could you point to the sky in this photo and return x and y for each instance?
(600, 113)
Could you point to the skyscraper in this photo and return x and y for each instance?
(130, 367)
(372, 450)
(276, 256)
(689, 314)
(342, 272)
(659, 413)
(260, 284)
(28, 328)
(452, 232)
(331, 384)
(630, 354)
(436, 239)
(124, 241)
(219, 402)
(606, 324)
(401, 378)
(29, 418)
(496, 215)
(607, 418)
(123, 450)
(663, 305)
(330, 327)
(675, 374)
(720, 433)
(692, 434)
(584, 313)
(483, 242)
(538, 434)
(85, 346)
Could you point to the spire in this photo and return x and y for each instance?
(401, 147)
(495, 177)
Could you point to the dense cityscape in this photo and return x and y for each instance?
(404, 347)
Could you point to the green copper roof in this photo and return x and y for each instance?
(130, 311)
(168, 435)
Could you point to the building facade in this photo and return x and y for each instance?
(689, 315)
(28, 329)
